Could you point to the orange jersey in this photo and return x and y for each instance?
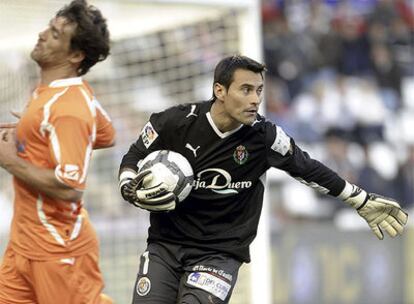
(61, 125)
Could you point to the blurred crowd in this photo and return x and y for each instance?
(341, 82)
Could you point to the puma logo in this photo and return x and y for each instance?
(193, 107)
(188, 146)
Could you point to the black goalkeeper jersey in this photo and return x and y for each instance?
(222, 212)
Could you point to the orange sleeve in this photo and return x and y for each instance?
(105, 132)
(70, 145)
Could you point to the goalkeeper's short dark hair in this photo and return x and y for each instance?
(224, 71)
(91, 34)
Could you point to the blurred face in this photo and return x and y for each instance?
(242, 99)
(53, 45)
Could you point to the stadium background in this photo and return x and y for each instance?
(340, 81)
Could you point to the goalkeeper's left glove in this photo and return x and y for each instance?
(381, 213)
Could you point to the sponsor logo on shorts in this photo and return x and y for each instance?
(217, 272)
(210, 283)
(143, 286)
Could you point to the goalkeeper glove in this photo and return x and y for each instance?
(381, 213)
(154, 198)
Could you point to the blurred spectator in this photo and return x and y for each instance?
(320, 15)
(387, 75)
(350, 104)
(345, 66)
(387, 11)
(277, 109)
(392, 21)
(362, 97)
(306, 106)
(380, 170)
(405, 10)
(289, 55)
(338, 156)
(270, 11)
(384, 12)
(378, 33)
(354, 51)
(330, 45)
(404, 184)
(402, 45)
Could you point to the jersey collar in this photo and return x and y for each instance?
(65, 82)
(218, 132)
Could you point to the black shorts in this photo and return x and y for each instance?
(173, 274)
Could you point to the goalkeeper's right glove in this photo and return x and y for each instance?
(155, 198)
(381, 213)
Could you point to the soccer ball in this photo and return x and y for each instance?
(171, 168)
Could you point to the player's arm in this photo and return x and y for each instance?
(41, 179)
(128, 171)
(105, 132)
(105, 137)
(131, 182)
(380, 213)
(8, 125)
(11, 125)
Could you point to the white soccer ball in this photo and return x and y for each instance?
(171, 168)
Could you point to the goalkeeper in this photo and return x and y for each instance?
(195, 248)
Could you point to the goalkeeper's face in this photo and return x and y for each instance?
(242, 99)
(53, 45)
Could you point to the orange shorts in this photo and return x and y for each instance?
(64, 281)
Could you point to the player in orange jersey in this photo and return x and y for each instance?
(53, 253)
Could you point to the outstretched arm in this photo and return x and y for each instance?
(381, 213)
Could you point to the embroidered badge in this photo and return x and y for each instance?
(148, 134)
(240, 155)
(143, 286)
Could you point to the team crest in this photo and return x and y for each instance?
(240, 155)
(148, 134)
(143, 286)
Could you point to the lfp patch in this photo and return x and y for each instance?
(143, 286)
(240, 155)
(148, 134)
